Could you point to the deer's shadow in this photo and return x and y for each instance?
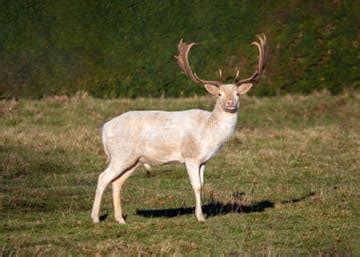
(215, 208)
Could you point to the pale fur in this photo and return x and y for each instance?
(190, 137)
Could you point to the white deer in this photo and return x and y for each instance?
(191, 137)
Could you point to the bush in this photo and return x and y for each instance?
(126, 48)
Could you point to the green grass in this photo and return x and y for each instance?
(287, 183)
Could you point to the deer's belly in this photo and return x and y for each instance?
(161, 154)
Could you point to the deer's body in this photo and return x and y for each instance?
(190, 137)
(159, 137)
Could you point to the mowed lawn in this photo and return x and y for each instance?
(287, 183)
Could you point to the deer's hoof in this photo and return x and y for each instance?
(200, 218)
(120, 221)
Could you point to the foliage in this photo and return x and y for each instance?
(126, 48)
(287, 183)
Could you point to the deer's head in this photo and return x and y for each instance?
(227, 94)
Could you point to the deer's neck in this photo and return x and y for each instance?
(222, 122)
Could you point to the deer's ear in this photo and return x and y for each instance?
(244, 88)
(214, 90)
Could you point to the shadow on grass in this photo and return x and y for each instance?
(216, 208)
(299, 199)
(20, 162)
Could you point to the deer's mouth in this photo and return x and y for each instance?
(231, 109)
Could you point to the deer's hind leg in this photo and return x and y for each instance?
(113, 171)
(148, 169)
(116, 187)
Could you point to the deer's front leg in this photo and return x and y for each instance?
(192, 168)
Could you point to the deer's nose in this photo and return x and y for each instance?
(230, 103)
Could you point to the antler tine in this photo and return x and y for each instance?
(262, 47)
(236, 75)
(183, 63)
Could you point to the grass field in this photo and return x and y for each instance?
(287, 183)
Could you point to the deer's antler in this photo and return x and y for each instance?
(183, 62)
(262, 46)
